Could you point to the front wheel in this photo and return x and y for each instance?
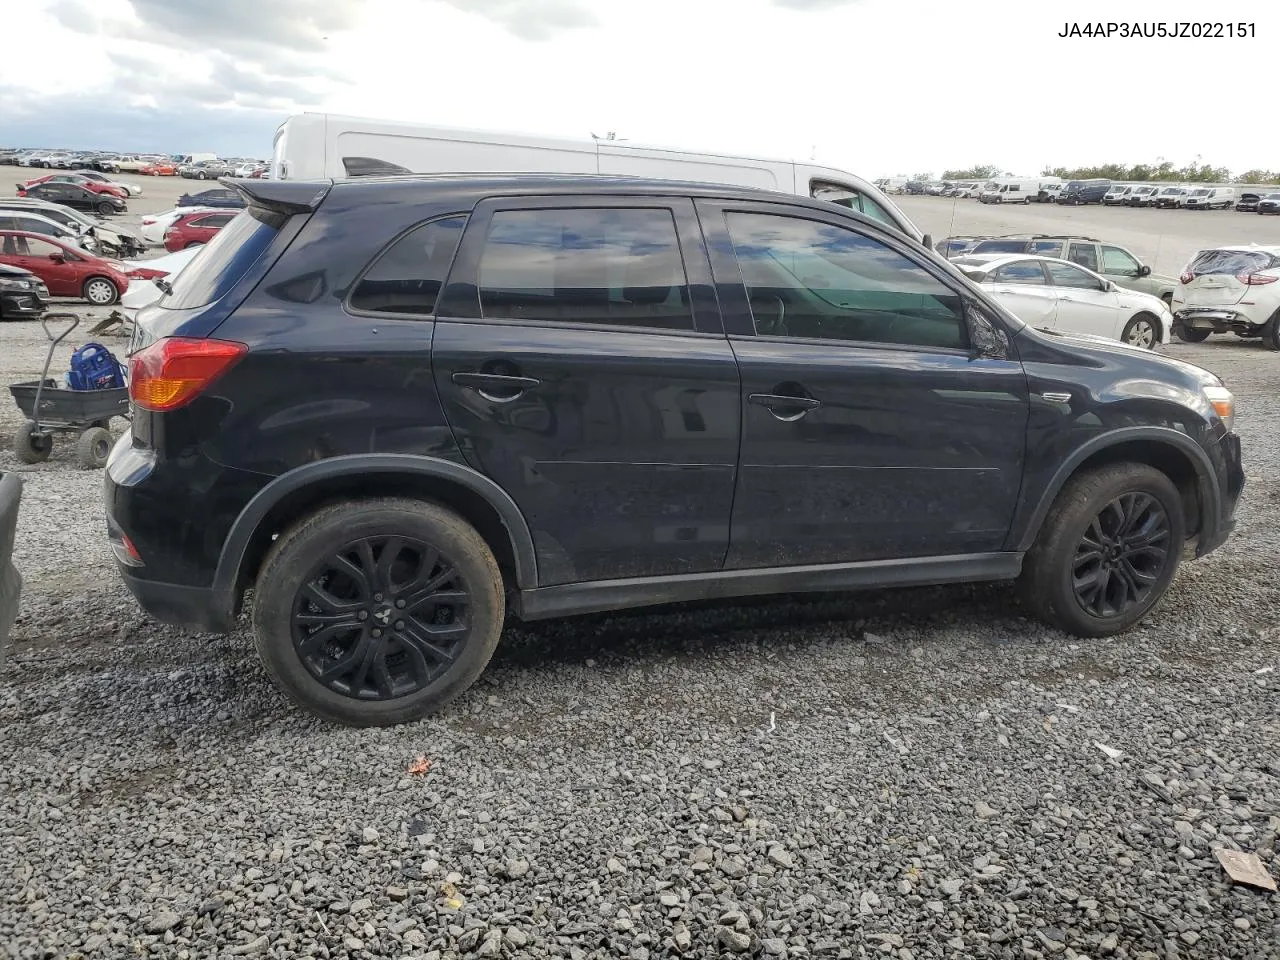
(1107, 551)
(378, 612)
(200, 175)
(1271, 332)
(30, 446)
(105, 208)
(100, 291)
(1142, 331)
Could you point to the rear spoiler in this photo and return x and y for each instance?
(281, 196)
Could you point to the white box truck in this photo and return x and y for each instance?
(313, 146)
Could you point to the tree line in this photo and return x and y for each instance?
(1152, 172)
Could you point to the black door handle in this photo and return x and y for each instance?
(784, 407)
(496, 387)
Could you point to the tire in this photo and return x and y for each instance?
(1142, 331)
(93, 448)
(1271, 332)
(302, 565)
(1084, 509)
(105, 208)
(100, 291)
(1189, 335)
(30, 448)
(200, 175)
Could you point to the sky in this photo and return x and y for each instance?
(877, 87)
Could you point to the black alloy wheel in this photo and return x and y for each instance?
(381, 618)
(1121, 556)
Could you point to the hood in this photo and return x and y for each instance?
(15, 273)
(1147, 301)
(1152, 359)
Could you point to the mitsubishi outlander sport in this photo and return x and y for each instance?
(398, 409)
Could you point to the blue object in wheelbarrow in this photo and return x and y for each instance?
(52, 409)
(94, 367)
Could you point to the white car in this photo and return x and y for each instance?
(1053, 294)
(1230, 289)
(154, 225)
(143, 289)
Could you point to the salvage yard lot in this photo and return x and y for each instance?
(909, 774)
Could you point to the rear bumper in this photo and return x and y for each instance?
(1224, 319)
(197, 608)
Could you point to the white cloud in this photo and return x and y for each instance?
(874, 86)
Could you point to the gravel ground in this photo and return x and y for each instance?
(905, 775)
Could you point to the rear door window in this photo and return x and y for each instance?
(1021, 271)
(1065, 275)
(1085, 254)
(408, 276)
(1047, 248)
(611, 266)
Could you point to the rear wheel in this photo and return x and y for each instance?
(100, 291)
(30, 446)
(1142, 331)
(1190, 334)
(93, 448)
(378, 612)
(1107, 551)
(1271, 332)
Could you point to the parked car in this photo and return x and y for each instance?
(216, 197)
(1052, 294)
(68, 271)
(195, 229)
(111, 237)
(204, 170)
(146, 277)
(1141, 196)
(1170, 197)
(1084, 191)
(386, 510)
(244, 170)
(1118, 195)
(155, 225)
(1248, 202)
(1112, 261)
(1209, 198)
(1230, 289)
(23, 295)
(130, 189)
(1269, 204)
(126, 164)
(76, 196)
(160, 168)
(96, 186)
(10, 580)
(33, 221)
(1009, 190)
(955, 246)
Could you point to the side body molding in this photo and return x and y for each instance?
(238, 540)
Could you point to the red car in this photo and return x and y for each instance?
(97, 186)
(160, 168)
(193, 229)
(66, 270)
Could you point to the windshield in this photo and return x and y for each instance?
(224, 260)
(1199, 193)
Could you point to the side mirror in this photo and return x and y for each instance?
(58, 258)
(1144, 271)
(927, 240)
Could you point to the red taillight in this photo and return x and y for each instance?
(173, 371)
(146, 273)
(1187, 276)
(1255, 279)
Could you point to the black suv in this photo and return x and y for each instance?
(398, 408)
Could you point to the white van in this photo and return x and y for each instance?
(1210, 198)
(314, 146)
(1010, 191)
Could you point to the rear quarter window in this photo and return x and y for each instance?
(224, 260)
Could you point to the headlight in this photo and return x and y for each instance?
(1223, 403)
(12, 285)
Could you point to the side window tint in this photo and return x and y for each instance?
(1085, 254)
(407, 277)
(1046, 248)
(1118, 263)
(1024, 272)
(1065, 275)
(818, 281)
(608, 266)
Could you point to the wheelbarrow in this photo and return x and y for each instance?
(52, 409)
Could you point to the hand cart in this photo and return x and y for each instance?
(52, 409)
